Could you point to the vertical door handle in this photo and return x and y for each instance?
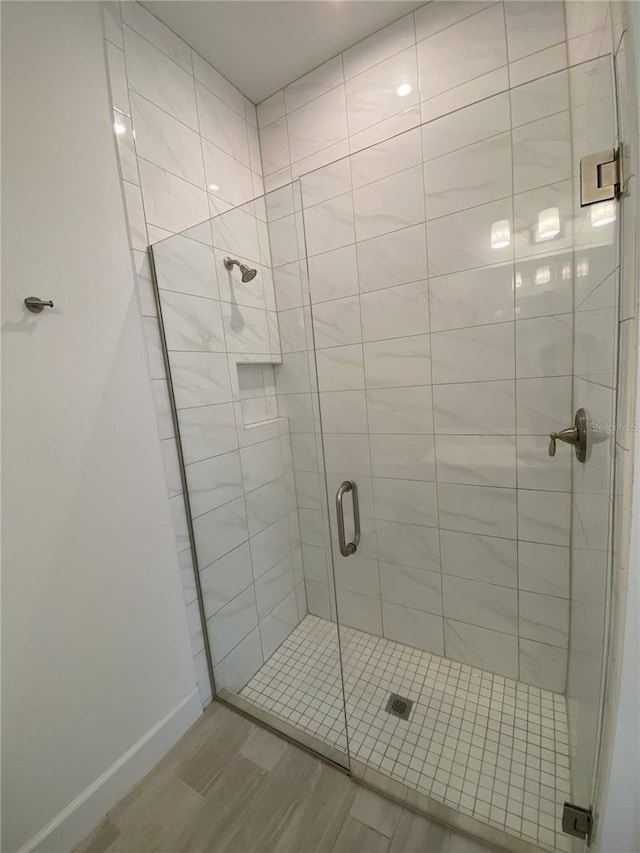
(348, 548)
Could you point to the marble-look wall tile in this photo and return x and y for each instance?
(543, 665)
(482, 647)
(379, 46)
(411, 587)
(158, 79)
(170, 202)
(480, 558)
(225, 578)
(476, 603)
(477, 509)
(471, 176)
(166, 142)
(544, 618)
(413, 627)
(360, 611)
(232, 623)
(317, 125)
(372, 96)
(533, 26)
(219, 531)
(478, 43)
(237, 668)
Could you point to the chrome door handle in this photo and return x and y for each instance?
(576, 435)
(348, 548)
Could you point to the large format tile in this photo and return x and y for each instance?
(462, 52)
(482, 647)
(170, 202)
(411, 587)
(398, 257)
(214, 482)
(471, 176)
(408, 501)
(186, 266)
(477, 509)
(409, 457)
(544, 618)
(192, 323)
(393, 155)
(463, 240)
(375, 94)
(476, 460)
(389, 204)
(476, 603)
(160, 80)
(413, 627)
(397, 362)
(318, 124)
(379, 46)
(481, 353)
(166, 142)
(400, 410)
(219, 531)
(221, 125)
(225, 578)
(471, 298)
(532, 26)
(480, 558)
(395, 311)
(464, 127)
(200, 379)
(232, 623)
(409, 545)
(475, 408)
(207, 431)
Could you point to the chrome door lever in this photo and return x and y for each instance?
(575, 435)
(346, 549)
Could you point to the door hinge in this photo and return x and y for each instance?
(600, 176)
(577, 821)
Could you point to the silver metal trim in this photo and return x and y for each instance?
(183, 472)
(348, 548)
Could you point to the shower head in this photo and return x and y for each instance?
(248, 274)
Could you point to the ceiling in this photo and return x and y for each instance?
(261, 45)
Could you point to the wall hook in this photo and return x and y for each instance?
(35, 304)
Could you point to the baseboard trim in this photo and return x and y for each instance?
(75, 821)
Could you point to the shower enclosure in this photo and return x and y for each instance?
(426, 312)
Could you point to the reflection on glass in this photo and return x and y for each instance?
(603, 213)
(548, 224)
(500, 234)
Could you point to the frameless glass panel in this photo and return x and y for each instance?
(246, 429)
(463, 305)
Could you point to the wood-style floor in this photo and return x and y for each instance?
(230, 785)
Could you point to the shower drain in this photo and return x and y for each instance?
(399, 706)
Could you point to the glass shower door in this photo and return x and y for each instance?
(455, 284)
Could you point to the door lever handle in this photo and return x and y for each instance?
(568, 435)
(575, 435)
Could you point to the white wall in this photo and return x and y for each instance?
(98, 680)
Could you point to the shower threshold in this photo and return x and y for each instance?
(488, 746)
